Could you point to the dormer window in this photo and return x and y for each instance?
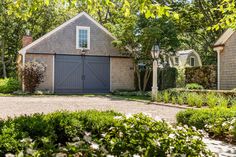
(82, 37)
(176, 60)
(192, 61)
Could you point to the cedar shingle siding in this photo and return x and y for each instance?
(63, 41)
(228, 64)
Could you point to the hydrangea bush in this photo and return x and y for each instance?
(219, 122)
(94, 133)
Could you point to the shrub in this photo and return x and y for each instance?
(131, 93)
(166, 96)
(199, 100)
(218, 121)
(167, 77)
(205, 75)
(194, 86)
(180, 99)
(180, 82)
(211, 100)
(159, 96)
(190, 99)
(32, 75)
(9, 85)
(154, 138)
(222, 101)
(93, 133)
(173, 100)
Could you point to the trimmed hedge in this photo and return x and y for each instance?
(93, 133)
(9, 85)
(205, 76)
(218, 122)
(167, 78)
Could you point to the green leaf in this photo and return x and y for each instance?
(47, 2)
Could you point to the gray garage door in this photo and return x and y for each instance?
(82, 74)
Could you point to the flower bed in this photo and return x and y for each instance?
(195, 98)
(219, 122)
(94, 133)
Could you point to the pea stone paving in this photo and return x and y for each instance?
(19, 105)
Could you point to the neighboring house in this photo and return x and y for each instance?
(80, 58)
(225, 47)
(186, 58)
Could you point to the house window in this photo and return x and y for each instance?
(176, 60)
(82, 37)
(192, 61)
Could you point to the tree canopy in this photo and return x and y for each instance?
(175, 24)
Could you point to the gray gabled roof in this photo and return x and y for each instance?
(23, 50)
(224, 37)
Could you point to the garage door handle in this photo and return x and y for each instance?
(83, 77)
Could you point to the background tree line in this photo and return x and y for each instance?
(174, 24)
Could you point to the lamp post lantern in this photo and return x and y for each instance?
(155, 54)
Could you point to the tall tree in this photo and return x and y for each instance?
(196, 17)
(139, 34)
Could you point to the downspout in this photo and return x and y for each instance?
(23, 63)
(218, 69)
(218, 49)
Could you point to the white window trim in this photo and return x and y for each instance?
(77, 37)
(193, 62)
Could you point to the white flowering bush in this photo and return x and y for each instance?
(93, 133)
(32, 75)
(142, 135)
(219, 122)
(222, 127)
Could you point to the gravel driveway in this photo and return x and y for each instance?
(15, 106)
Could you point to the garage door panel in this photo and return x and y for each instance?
(69, 70)
(82, 74)
(97, 74)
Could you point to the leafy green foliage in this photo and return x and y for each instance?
(167, 78)
(219, 121)
(93, 133)
(33, 74)
(180, 81)
(190, 99)
(205, 76)
(193, 86)
(211, 100)
(166, 96)
(9, 85)
(194, 98)
(180, 99)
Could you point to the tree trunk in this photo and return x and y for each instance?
(145, 79)
(138, 77)
(3, 60)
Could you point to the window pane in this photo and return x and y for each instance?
(192, 61)
(83, 38)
